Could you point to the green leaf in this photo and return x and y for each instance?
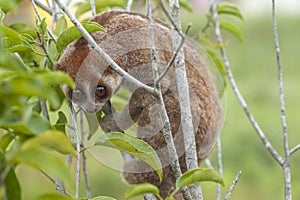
(12, 186)
(73, 33)
(133, 146)
(169, 198)
(12, 46)
(10, 62)
(52, 139)
(53, 78)
(47, 161)
(38, 84)
(100, 6)
(2, 15)
(42, 26)
(60, 26)
(232, 29)
(2, 160)
(54, 196)
(230, 9)
(198, 175)
(28, 123)
(141, 189)
(61, 122)
(5, 141)
(186, 4)
(10, 33)
(103, 198)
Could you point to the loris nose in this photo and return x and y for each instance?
(91, 110)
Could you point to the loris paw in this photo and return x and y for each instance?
(108, 124)
(137, 171)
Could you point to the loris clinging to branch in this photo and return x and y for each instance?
(127, 41)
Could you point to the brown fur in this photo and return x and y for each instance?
(127, 42)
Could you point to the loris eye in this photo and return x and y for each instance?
(100, 92)
(76, 94)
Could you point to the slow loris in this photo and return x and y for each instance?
(127, 41)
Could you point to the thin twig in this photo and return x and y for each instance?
(53, 20)
(93, 7)
(104, 55)
(129, 5)
(220, 167)
(229, 192)
(208, 163)
(174, 25)
(293, 150)
(184, 100)
(77, 141)
(286, 164)
(42, 45)
(236, 91)
(84, 166)
(170, 63)
(71, 136)
(162, 110)
(44, 109)
(44, 7)
(40, 19)
(59, 186)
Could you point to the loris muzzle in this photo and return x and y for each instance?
(127, 41)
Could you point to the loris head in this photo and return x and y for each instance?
(95, 81)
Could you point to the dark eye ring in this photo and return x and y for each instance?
(76, 94)
(100, 92)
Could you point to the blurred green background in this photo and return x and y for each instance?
(254, 66)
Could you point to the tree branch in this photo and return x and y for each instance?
(104, 55)
(293, 150)
(162, 109)
(84, 166)
(236, 91)
(220, 167)
(184, 100)
(77, 142)
(44, 7)
(286, 164)
(229, 192)
(93, 7)
(129, 5)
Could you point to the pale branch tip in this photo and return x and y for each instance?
(295, 149)
(208, 163)
(129, 5)
(232, 186)
(93, 7)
